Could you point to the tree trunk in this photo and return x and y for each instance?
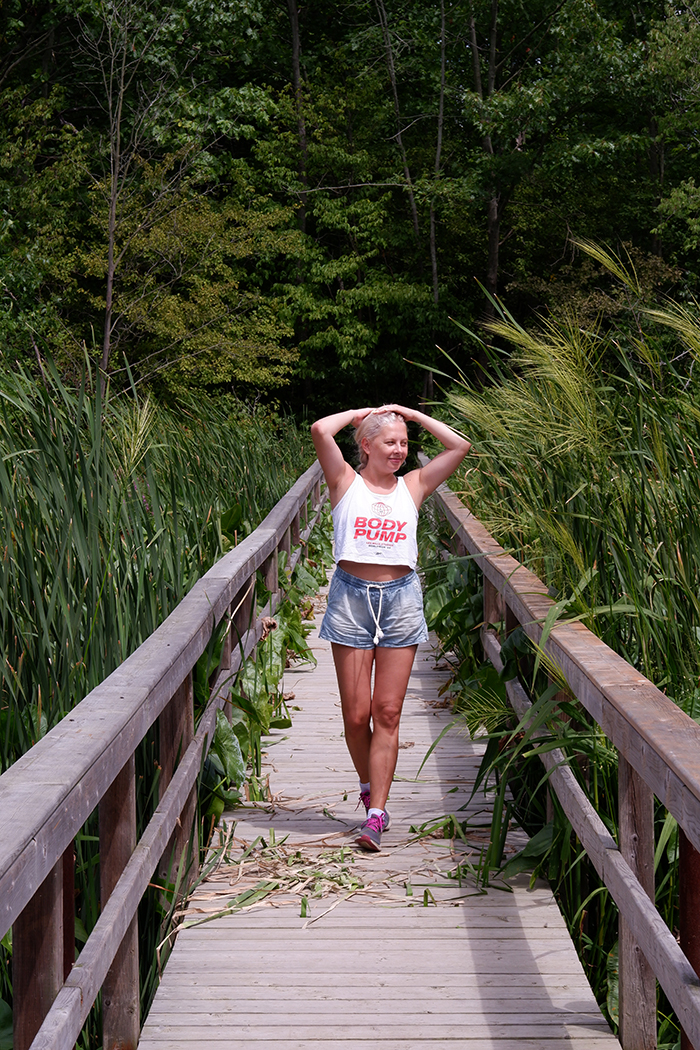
(656, 170)
(384, 23)
(494, 207)
(299, 103)
(115, 109)
(438, 151)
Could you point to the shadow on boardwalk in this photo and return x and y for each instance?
(374, 949)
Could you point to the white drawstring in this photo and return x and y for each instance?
(379, 633)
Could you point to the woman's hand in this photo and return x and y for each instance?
(400, 410)
(361, 413)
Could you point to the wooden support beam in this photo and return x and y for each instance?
(689, 889)
(120, 991)
(511, 620)
(68, 890)
(37, 958)
(176, 732)
(243, 611)
(271, 573)
(286, 543)
(636, 978)
(296, 529)
(492, 613)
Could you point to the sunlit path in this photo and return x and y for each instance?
(393, 952)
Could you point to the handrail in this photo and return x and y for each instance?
(659, 748)
(87, 760)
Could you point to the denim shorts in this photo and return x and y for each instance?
(363, 614)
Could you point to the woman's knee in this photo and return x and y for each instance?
(386, 713)
(356, 717)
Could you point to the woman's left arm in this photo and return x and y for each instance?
(426, 479)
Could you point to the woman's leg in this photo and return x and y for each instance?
(354, 670)
(391, 673)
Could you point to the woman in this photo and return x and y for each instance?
(375, 606)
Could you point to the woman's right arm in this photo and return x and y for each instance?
(337, 472)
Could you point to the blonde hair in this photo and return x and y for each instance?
(370, 427)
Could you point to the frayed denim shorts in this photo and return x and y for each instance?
(363, 614)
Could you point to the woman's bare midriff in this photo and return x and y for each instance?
(375, 573)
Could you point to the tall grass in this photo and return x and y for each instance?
(110, 510)
(586, 468)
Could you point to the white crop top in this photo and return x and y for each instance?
(373, 527)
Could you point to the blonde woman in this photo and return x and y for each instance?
(375, 605)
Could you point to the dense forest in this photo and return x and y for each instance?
(292, 199)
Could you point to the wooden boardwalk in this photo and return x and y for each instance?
(387, 950)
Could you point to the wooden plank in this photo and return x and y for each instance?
(689, 894)
(176, 733)
(636, 977)
(37, 934)
(226, 1041)
(120, 988)
(377, 1030)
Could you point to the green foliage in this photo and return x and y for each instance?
(5, 1025)
(225, 226)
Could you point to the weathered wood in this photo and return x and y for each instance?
(510, 620)
(270, 571)
(176, 732)
(296, 529)
(37, 958)
(120, 990)
(68, 889)
(689, 892)
(242, 611)
(492, 612)
(286, 543)
(636, 977)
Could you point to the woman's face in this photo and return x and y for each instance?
(388, 449)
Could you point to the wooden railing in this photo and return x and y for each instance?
(659, 754)
(87, 762)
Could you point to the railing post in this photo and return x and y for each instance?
(511, 621)
(271, 572)
(120, 991)
(286, 542)
(37, 958)
(176, 733)
(689, 890)
(226, 653)
(296, 529)
(243, 608)
(491, 611)
(637, 983)
(68, 891)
